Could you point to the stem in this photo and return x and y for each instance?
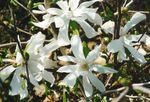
(117, 30)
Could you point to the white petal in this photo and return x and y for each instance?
(89, 31)
(59, 22)
(67, 58)
(35, 43)
(44, 24)
(18, 85)
(136, 18)
(47, 62)
(102, 69)
(38, 12)
(54, 11)
(68, 68)
(48, 76)
(70, 80)
(63, 5)
(88, 89)
(33, 80)
(41, 10)
(145, 39)
(87, 3)
(96, 82)
(73, 4)
(115, 45)
(77, 49)
(63, 38)
(138, 56)
(121, 55)
(41, 7)
(95, 18)
(52, 46)
(93, 55)
(4, 74)
(108, 27)
(19, 58)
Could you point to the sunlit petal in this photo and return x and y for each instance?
(136, 18)
(88, 89)
(96, 82)
(77, 48)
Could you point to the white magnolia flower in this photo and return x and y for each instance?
(69, 11)
(125, 40)
(83, 67)
(36, 67)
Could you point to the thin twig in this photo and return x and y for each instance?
(14, 43)
(135, 97)
(10, 44)
(15, 36)
(121, 95)
(26, 9)
(115, 90)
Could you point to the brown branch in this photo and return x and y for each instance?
(117, 30)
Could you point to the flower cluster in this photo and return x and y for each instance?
(81, 66)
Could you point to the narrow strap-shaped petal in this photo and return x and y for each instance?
(41, 10)
(136, 18)
(63, 37)
(93, 55)
(88, 89)
(137, 56)
(50, 47)
(63, 5)
(87, 3)
(115, 45)
(68, 68)
(67, 58)
(97, 19)
(77, 48)
(59, 22)
(73, 4)
(35, 43)
(54, 11)
(18, 85)
(89, 31)
(38, 12)
(122, 55)
(4, 74)
(96, 82)
(69, 80)
(102, 69)
(44, 24)
(48, 76)
(41, 7)
(108, 27)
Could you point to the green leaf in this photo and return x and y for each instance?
(85, 49)
(74, 27)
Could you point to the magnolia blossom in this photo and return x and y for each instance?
(83, 67)
(62, 16)
(125, 40)
(36, 67)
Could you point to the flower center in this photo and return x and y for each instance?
(69, 14)
(84, 67)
